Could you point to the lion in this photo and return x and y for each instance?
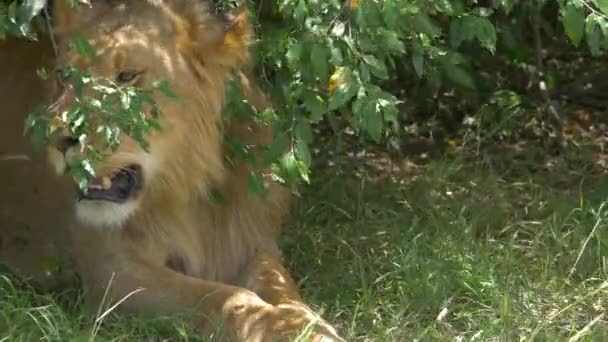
(145, 229)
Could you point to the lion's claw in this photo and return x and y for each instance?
(326, 338)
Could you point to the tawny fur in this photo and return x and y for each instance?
(221, 263)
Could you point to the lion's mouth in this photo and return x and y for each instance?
(118, 188)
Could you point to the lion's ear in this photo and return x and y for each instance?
(238, 36)
(229, 45)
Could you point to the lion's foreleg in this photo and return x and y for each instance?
(237, 313)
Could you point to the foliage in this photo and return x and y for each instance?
(115, 108)
(346, 63)
(16, 16)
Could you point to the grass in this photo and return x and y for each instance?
(459, 254)
(491, 249)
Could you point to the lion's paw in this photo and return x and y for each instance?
(297, 320)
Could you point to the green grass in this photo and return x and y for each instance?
(497, 249)
(459, 253)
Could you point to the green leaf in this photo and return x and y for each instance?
(368, 14)
(472, 27)
(303, 152)
(81, 46)
(255, 183)
(377, 67)
(303, 131)
(424, 24)
(390, 13)
(486, 33)
(390, 40)
(318, 59)
(294, 54)
(32, 8)
(391, 115)
(344, 93)
(444, 6)
(367, 44)
(277, 148)
(593, 34)
(315, 105)
(602, 5)
(369, 117)
(300, 12)
(336, 56)
(458, 75)
(338, 29)
(291, 169)
(574, 23)
(508, 5)
(364, 73)
(217, 198)
(164, 87)
(418, 63)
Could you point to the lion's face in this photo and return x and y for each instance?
(137, 43)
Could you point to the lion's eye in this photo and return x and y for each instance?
(127, 76)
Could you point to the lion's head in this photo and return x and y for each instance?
(136, 43)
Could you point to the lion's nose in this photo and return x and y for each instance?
(64, 143)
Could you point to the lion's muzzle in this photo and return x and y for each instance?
(118, 187)
(122, 186)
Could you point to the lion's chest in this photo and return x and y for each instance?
(209, 248)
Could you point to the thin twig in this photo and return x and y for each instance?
(14, 157)
(592, 9)
(49, 27)
(540, 70)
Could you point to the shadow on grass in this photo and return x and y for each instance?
(458, 251)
